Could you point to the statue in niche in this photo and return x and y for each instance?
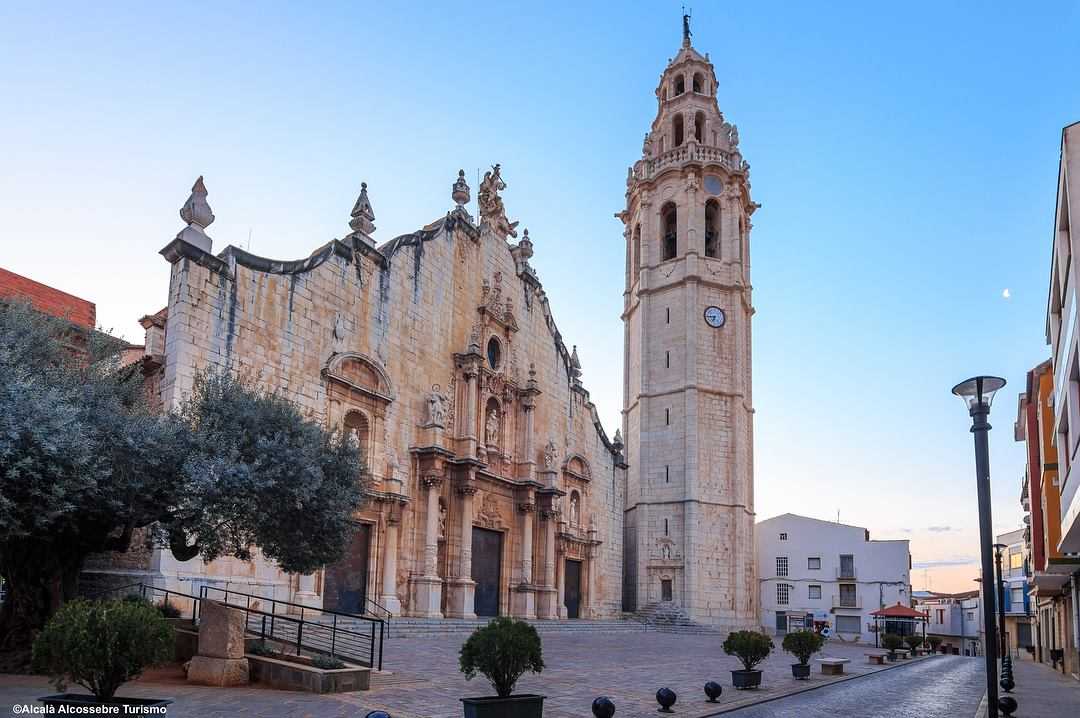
(491, 428)
(575, 509)
(549, 455)
(491, 204)
(442, 520)
(437, 407)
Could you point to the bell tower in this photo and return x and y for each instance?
(687, 413)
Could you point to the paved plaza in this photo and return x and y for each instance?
(422, 680)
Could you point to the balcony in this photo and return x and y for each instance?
(846, 601)
(845, 572)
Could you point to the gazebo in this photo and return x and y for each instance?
(899, 619)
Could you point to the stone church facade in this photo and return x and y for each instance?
(494, 488)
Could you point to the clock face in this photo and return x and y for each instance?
(713, 185)
(714, 317)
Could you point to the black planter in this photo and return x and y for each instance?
(800, 671)
(80, 700)
(746, 679)
(521, 706)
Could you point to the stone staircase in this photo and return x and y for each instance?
(407, 627)
(667, 617)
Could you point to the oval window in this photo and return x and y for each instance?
(494, 352)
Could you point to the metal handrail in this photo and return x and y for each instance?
(273, 614)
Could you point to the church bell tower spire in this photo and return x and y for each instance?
(688, 411)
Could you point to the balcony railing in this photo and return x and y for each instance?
(845, 572)
(846, 601)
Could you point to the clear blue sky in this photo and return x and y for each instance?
(905, 158)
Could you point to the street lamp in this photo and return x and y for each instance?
(1004, 641)
(978, 393)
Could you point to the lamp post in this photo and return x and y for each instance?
(1004, 641)
(978, 393)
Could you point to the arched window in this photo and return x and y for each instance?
(637, 250)
(699, 82)
(494, 353)
(680, 85)
(712, 228)
(575, 508)
(699, 127)
(669, 222)
(677, 129)
(357, 425)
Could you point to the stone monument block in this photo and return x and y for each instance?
(212, 671)
(221, 631)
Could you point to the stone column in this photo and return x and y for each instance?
(428, 602)
(530, 450)
(471, 373)
(389, 598)
(560, 580)
(524, 598)
(462, 589)
(546, 597)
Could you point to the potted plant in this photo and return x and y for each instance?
(502, 651)
(751, 648)
(914, 642)
(100, 645)
(802, 645)
(934, 642)
(892, 643)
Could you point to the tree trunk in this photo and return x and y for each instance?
(38, 581)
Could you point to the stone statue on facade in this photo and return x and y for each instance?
(492, 210)
(733, 136)
(575, 510)
(437, 407)
(549, 455)
(491, 428)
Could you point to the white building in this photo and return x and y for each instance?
(955, 618)
(829, 574)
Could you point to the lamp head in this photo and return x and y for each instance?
(978, 390)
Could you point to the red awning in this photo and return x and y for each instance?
(899, 611)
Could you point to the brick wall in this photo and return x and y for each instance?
(46, 299)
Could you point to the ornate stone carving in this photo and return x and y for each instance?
(460, 192)
(437, 406)
(526, 507)
(197, 210)
(488, 514)
(492, 211)
(575, 510)
(432, 480)
(442, 521)
(339, 328)
(363, 217)
(491, 428)
(550, 455)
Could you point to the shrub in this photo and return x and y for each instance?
(100, 645)
(803, 644)
(750, 647)
(913, 641)
(327, 663)
(892, 642)
(168, 609)
(934, 641)
(502, 651)
(261, 649)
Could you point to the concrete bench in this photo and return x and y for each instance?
(833, 666)
(876, 658)
(904, 654)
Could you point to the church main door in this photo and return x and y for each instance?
(486, 569)
(345, 583)
(572, 588)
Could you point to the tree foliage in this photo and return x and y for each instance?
(100, 645)
(750, 647)
(934, 642)
(85, 463)
(502, 651)
(803, 644)
(893, 642)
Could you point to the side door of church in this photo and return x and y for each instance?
(486, 565)
(345, 583)
(572, 589)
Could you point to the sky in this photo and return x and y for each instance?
(905, 157)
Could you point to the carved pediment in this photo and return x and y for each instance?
(361, 373)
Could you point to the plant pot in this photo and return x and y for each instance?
(746, 679)
(520, 706)
(83, 701)
(800, 671)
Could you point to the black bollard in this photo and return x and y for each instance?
(1007, 705)
(602, 707)
(1007, 683)
(666, 698)
(713, 691)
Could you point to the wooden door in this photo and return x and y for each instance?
(345, 584)
(486, 570)
(572, 589)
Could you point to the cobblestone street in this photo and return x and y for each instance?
(422, 680)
